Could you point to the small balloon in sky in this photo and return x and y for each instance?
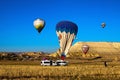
(39, 24)
(103, 24)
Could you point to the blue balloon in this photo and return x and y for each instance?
(67, 26)
(66, 32)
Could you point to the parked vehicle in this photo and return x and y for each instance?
(54, 63)
(61, 63)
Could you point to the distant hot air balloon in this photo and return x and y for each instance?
(66, 32)
(103, 25)
(85, 48)
(39, 24)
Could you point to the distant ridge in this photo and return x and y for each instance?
(96, 49)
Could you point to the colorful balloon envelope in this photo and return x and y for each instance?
(66, 32)
(39, 24)
(85, 49)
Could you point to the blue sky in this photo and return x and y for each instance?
(17, 32)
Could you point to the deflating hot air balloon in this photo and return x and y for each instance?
(39, 24)
(85, 48)
(103, 25)
(66, 32)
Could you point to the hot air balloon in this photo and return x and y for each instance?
(39, 24)
(103, 25)
(85, 48)
(66, 32)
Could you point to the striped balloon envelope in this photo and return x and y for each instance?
(66, 32)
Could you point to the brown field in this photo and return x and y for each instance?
(81, 67)
(80, 70)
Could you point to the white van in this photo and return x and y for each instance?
(61, 63)
(53, 63)
(48, 63)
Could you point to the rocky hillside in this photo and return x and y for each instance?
(99, 47)
(96, 49)
(22, 55)
(106, 50)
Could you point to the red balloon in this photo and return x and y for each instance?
(85, 48)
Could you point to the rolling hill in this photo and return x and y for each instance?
(96, 49)
(103, 50)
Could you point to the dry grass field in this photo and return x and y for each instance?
(74, 71)
(81, 67)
